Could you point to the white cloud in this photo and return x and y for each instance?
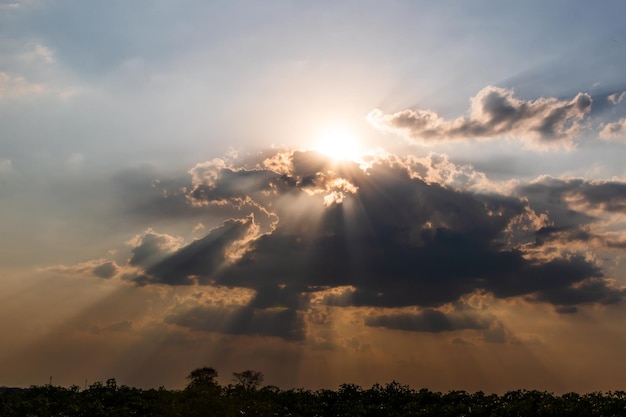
(15, 86)
(614, 130)
(617, 98)
(43, 53)
(9, 5)
(494, 112)
(14, 4)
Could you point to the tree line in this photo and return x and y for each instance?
(204, 396)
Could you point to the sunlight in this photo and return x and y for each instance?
(339, 144)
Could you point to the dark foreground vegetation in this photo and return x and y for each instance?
(203, 396)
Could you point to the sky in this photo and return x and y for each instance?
(326, 192)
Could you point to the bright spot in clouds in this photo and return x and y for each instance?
(339, 143)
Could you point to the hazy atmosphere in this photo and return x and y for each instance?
(326, 192)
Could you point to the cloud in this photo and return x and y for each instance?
(9, 4)
(495, 334)
(256, 318)
(30, 69)
(588, 291)
(579, 216)
(494, 112)
(106, 270)
(14, 4)
(150, 247)
(430, 320)
(550, 233)
(44, 53)
(562, 197)
(407, 233)
(23, 56)
(393, 248)
(100, 268)
(196, 262)
(617, 98)
(615, 130)
(15, 86)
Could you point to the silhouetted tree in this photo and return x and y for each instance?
(202, 377)
(204, 397)
(249, 380)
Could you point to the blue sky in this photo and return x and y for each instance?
(164, 196)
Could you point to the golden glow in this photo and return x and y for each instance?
(339, 144)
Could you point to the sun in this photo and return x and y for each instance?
(338, 143)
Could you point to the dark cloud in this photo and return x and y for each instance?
(566, 309)
(562, 236)
(151, 248)
(495, 334)
(390, 235)
(106, 270)
(392, 239)
(197, 261)
(551, 233)
(605, 195)
(593, 290)
(230, 185)
(616, 244)
(100, 268)
(400, 241)
(567, 199)
(555, 275)
(495, 112)
(280, 322)
(432, 321)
